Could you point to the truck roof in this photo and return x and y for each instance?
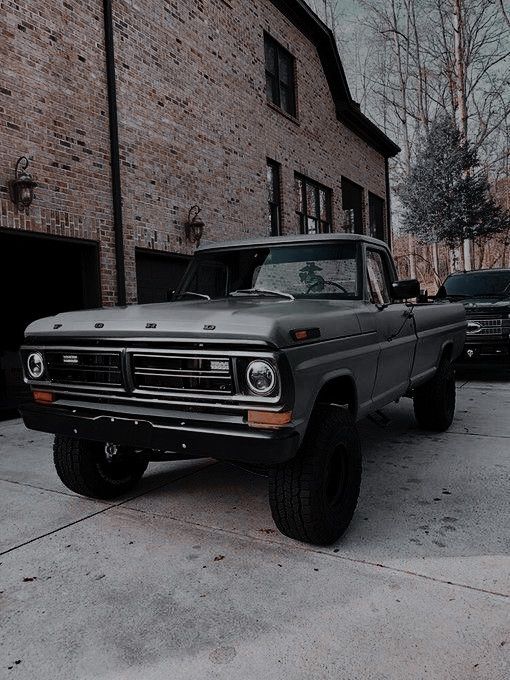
(287, 240)
(479, 271)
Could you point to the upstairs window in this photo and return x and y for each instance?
(280, 81)
(274, 211)
(313, 206)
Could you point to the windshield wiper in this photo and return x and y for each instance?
(261, 292)
(198, 295)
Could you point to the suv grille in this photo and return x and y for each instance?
(480, 326)
(175, 373)
(84, 368)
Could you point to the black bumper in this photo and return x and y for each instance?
(198, 439)
(485, 350)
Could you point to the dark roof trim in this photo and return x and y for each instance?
(348, 111)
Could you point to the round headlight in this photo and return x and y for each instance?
(261, 377)
(35, 365)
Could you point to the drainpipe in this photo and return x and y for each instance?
(118, 228)
(388, 199)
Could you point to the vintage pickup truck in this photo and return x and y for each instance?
(267, 355)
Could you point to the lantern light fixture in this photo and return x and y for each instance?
(194, 227)
(21, 188)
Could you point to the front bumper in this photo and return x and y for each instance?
(487, 349)
(197, 436)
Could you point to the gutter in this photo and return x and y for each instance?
(118, 227)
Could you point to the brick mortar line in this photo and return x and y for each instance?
(318, 551)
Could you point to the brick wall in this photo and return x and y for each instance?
(194, 124)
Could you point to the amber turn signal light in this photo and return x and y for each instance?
(300, 334)
(269, 419)
(43, 397)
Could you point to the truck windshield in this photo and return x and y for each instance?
(486, 283)
(329, 271)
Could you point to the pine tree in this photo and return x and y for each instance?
(446, 197)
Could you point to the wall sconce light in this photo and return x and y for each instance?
(194, 227)
(21, 188)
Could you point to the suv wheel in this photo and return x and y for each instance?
(314, 495)
(84, 467)
(434, 401)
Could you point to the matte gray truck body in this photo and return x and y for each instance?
(373, 354)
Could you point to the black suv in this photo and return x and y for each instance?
(485, 294)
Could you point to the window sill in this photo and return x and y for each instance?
(283, 113)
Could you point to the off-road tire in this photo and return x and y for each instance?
(434, 401)
(314, 495)
(83, 467)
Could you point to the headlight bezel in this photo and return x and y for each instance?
(265, 392)
(29, 370)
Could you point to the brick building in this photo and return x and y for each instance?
(131, 113)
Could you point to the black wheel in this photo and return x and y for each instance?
(314, 495)
(434, 401)
(84, 467)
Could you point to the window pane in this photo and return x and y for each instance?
(272, 89)
(377, 279)
(311, 226)
(299, 195)
(285, 66)
(271, 55)
(270, 183)
(311, 200)
(324, 204)
(285, 100)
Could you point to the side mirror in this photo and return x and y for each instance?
(423, 297)
(405, 289)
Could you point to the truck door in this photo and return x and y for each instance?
(395, 329)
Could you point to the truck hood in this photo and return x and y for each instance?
(256, 319)
(484, 304)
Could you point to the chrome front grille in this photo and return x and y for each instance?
(69, 367)
(185, 376)
(178, 373)
(481, 326)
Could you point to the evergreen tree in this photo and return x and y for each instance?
(445, 197)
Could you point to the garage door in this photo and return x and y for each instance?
(157, 274)
(39, 276)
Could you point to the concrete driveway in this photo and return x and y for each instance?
(188, 578)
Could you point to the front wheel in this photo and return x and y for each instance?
(434, 401)
(314, 495)
(84, 467)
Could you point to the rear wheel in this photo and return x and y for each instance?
(85, 468)
(314, 495)
(434, 401)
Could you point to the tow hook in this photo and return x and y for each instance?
(111, 450)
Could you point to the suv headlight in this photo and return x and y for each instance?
(35, 365)
(261, 377)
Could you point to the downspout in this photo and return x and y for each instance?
(118, 228)
(388, 198)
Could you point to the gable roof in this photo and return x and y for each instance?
(347, 110)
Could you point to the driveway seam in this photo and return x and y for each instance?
(318, 551)
(99, 512)
(69, 494)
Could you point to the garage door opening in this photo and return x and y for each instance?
(157, 274)
(40, 276)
